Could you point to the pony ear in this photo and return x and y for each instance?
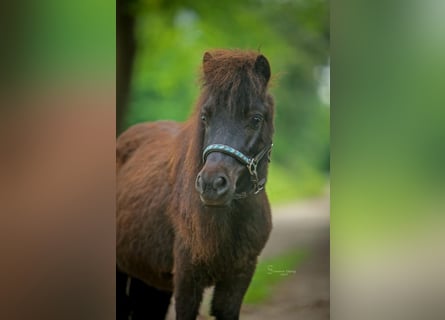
(205, 61)
(262, 67)
(207, 57)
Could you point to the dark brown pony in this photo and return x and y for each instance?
(191, 209)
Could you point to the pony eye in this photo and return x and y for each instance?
(203, 118)
(256, 121)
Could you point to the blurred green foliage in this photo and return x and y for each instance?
(388, 139)
(69, 37)
(172, 37)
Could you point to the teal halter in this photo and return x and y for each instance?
(250, 163)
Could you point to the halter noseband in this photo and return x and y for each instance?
(250, 163)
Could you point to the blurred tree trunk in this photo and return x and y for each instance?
(126, 48)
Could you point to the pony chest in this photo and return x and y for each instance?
(242, 245)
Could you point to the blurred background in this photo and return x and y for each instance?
(160, 49)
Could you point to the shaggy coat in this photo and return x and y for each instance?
(167, 238)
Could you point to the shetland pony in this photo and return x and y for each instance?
(192, 211)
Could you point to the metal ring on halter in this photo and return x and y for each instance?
(252, 167)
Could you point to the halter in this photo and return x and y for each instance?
(250, 163)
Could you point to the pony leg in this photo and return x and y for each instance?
(122, 300)
(188, 295)
(229, 293)
(148, 302)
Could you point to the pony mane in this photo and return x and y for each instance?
(234, 79)
(225, 69)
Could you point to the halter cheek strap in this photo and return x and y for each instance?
(250, 163)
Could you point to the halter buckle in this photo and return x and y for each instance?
(252, 166)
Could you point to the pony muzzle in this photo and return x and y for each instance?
(216, 186)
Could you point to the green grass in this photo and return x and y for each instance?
(267, 275)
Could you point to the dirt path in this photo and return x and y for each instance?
(305, 294)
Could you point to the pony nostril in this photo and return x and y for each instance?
(220, 184)
(198, 184)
